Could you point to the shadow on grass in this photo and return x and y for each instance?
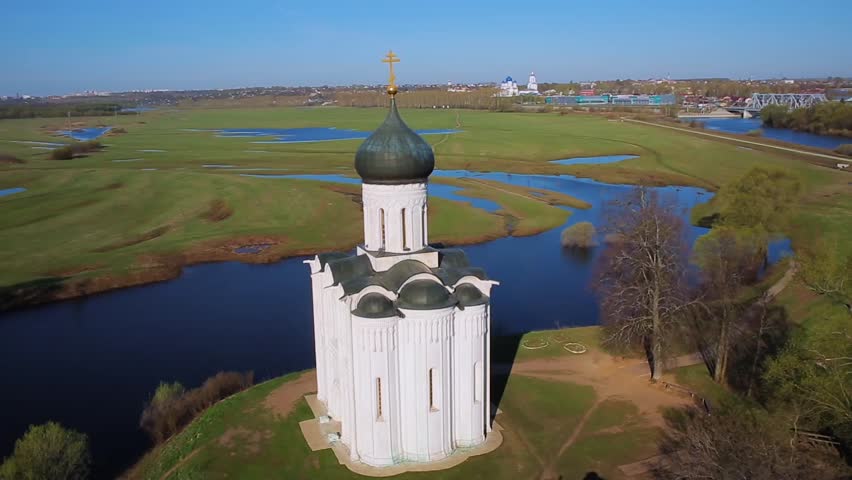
(504, 349)
(32, 292)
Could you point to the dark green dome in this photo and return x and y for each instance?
(468, 295)
(375, 305)
(394, 154)
(424, 295)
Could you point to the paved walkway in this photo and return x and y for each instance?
(749, 142)
(317, 437)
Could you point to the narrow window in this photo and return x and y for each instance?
(477, 382)
(433, 405)
(423, 224)
(404, 239)
(382, 216)
(379, 398)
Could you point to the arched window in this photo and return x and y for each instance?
(379, 398)
(477, 382)
(382, 220)
(423, 224)
(433, 392)
(404, 238)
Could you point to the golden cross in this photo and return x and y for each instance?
(390, 59)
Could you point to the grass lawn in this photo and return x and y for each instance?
(539, 416)
(107, 217)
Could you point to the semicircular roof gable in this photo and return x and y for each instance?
(395, 276)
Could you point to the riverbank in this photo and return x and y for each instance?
(102, 222)
(522, 212)
(817, 156)
(603, 402)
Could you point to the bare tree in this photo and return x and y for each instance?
(641, 280)
(741, 444)
(728, 260)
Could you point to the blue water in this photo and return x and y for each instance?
(745, 125)
(594, 160)
(138, 109)
(85, 134)
(305, 135)
(107, 353)
(435, 189)
(10, 191)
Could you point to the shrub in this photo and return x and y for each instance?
(217, 211)
(67, 152)
(62, 153)
(845, 149)
(6, 158)
(755, 133)
(172, 407)
(48, 452)
(579, 235)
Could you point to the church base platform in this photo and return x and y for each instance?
(317, 434)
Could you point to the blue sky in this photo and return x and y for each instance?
(54, 47)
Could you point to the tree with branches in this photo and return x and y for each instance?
(728, 259)
(642, 278)
(739, 443)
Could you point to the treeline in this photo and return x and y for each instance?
(172, 407)
(783, 377)
(45, 110)
(829, 118)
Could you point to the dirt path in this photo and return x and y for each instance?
(749, 142)
(550, 471)
(610, 377)
(282, 400)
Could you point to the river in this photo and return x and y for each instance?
(745, 125)
(91, 363)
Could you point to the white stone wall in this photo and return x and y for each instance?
(470, 328)
(376, 383)
(424, 346)
(353, 352)
(400, 212)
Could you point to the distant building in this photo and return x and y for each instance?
(607, 99)
(532, 86)
(508, 88)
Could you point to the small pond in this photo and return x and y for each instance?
(11, 191)
(85, 134)
(304, 135)
(92, 363)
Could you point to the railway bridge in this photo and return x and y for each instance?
(790, 100)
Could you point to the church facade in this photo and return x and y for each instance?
(402, 328)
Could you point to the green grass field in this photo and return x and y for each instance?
(104, 221)
(538, 417)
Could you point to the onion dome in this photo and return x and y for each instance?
(468, 295)
(375, 305)
(394, 154)
(424, 295)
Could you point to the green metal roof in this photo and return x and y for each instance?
(375, 305)
(355, 273)
(468, 295)
(394, 154)
(424, 295)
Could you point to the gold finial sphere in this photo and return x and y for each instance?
(392, 90)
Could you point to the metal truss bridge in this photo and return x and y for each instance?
(790, 100)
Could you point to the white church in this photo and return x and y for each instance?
(402, 328)
(509, 87)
